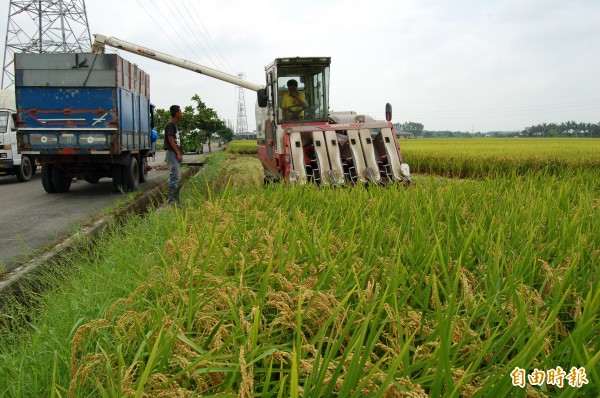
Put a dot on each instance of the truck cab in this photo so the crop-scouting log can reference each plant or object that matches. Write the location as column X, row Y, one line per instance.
column 11, row 162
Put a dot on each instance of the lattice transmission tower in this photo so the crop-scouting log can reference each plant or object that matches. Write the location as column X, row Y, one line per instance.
column 44, row 26
column 242, row 123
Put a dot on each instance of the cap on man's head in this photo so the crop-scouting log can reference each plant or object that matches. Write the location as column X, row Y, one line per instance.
column 292, row 82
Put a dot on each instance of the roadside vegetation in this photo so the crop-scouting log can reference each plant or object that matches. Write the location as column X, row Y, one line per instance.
column 440, row 289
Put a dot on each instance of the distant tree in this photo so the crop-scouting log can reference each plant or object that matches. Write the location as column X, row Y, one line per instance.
column 207, row 120
column 161, row 117
column 412, row 127
column 192, row 137
column 225, row 134
column 565, row 129
column 196, row 126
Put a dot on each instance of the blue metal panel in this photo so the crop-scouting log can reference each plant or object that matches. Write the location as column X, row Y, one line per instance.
column 58, row 116
column 50, row 107
column 125, row 110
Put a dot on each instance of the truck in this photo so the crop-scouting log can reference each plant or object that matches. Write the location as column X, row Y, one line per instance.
column 83, row 116
column 11, row 162
column 315, row 145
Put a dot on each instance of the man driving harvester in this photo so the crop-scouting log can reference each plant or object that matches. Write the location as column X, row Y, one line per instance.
column 293, row 102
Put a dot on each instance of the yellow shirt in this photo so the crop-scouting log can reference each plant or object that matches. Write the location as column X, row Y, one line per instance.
column 287, row 101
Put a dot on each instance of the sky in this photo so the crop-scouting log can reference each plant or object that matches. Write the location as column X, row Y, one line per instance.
column 460, row 65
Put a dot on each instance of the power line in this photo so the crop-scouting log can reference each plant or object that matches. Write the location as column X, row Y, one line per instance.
column 175, row 43
column 187, row 27
column 210, row 41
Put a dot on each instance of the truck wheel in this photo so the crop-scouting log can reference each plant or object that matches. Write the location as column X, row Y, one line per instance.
column 144, row 169
column 117, row 178
column 61, row 180
column 131, row 175
column 25, row 170
column 47, row 178
column 92, row 179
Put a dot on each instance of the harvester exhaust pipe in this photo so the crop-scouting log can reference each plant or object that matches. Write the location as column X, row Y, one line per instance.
column 388, row 112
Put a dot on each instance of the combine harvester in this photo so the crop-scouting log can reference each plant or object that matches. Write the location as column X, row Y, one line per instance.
column 305, row 143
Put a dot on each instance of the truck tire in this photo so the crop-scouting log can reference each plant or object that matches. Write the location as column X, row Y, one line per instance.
column 144, row 169
column 92, row 178
column 47, row 178
column 25, row 170
column 131, row 175
column 60, row 180
column 117, row 177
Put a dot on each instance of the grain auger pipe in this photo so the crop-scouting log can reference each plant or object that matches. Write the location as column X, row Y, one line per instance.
column 101, row 40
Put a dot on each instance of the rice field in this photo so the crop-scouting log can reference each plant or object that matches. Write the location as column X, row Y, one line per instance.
column 483, row 158
column 471, row 287
column 242, row 147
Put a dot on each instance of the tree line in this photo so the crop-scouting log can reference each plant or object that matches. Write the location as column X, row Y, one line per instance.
column 198, row 125
column 565, row 129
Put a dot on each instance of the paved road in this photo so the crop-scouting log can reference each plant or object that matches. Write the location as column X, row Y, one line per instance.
column 31, row 218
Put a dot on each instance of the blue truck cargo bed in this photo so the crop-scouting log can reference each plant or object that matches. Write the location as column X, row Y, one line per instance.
column 83, row 115
column 69, row 102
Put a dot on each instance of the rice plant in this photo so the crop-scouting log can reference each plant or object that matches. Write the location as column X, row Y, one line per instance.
column 242, row 147
column 439, row 290
column 485, row 157
column 442, row 289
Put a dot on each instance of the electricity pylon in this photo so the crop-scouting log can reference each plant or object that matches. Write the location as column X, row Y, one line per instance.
column 44, row 26
column 242, row 123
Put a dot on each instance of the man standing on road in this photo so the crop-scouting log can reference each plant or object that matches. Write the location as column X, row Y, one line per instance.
column 174, row 157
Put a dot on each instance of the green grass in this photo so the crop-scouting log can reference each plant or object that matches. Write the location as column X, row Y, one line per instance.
column 441, row 289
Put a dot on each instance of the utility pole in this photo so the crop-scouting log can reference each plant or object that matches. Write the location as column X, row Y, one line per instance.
column 242, row 123
column 59, row 26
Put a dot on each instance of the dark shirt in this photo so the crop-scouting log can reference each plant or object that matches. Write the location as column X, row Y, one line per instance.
column 170, row 129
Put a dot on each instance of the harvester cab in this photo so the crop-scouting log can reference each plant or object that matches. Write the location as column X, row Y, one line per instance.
column 299, row 139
